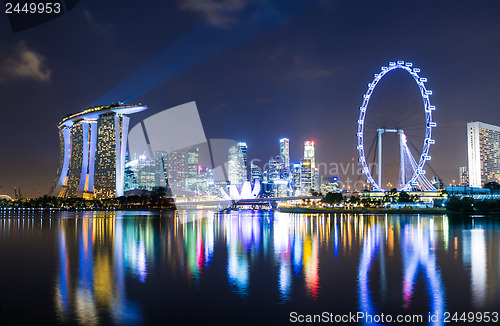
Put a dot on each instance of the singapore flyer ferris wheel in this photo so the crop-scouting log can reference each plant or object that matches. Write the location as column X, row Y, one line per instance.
column 409, row 173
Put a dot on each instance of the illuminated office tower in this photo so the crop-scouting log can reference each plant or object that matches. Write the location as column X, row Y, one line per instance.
column 306, row 176
column 275, row 167
column 296, row 182
column 309, row 152
column 192, row 168
column 256, row 173
column 161, row 168
column 93, row 144
column 463, row 176
column 483, row 142
column 285, row 155
column 237, row 164
column 176, row 169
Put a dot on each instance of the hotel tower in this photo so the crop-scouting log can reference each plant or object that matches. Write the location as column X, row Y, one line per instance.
column 483, row 142
column 93, row 144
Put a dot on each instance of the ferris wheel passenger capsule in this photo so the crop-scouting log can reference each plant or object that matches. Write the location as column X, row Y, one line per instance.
column 392, row 64
column 400, row 62
column 423, row 79
column 416, row 69
column 409, row 64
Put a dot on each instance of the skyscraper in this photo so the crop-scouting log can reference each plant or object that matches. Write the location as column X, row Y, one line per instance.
column 275, row 166
column 296, row 181
column 483, row 142
column 309, row 152
column 93, row 145
column 192, row 168
column 285, row 152
column 306, row 176
column 176, row 169
column 237, row 164
column 463, row 176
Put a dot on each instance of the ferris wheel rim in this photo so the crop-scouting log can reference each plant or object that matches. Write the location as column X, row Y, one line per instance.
column 429, row 123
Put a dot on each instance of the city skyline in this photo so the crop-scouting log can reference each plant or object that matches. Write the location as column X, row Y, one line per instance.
column 299, row 74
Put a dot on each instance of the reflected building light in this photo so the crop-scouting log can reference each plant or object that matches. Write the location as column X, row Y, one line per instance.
column 237, row 271
column 62, row 289
column 478, row 267
column 335, row 238
column 199, row 251
column 285, row 280
column 297, row 254
column 311, row 266
column 141, row 268
column 209, row 240
column 446, row 232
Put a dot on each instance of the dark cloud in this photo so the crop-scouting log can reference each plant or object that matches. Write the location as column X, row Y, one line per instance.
column 21, row 62
column 101, row 28
column 220, row 13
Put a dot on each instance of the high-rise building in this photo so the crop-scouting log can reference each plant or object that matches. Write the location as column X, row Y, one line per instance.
column 306, row 176
column 274, row 168
column 296, row 181
column 463, row 176
column 93, row 145
column 237, row 164
column 176, row 169
column 192, row 168
column 285, row 155
column 310, row 155
column 437, row 182
column 483, row 143
column 256, row 173
column 309, row 152
column 243, row 149
column 161, row 168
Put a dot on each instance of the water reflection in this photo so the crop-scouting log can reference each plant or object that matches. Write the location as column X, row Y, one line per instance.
column 110, row 263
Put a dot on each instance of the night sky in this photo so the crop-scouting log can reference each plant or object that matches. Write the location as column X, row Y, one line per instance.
column 258, row 71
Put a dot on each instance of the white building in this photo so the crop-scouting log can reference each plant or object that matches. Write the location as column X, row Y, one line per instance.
column 483, row 143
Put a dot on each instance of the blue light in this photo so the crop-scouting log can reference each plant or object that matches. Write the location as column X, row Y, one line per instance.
column 416, row 69
column 423, row 79
column 335, row 179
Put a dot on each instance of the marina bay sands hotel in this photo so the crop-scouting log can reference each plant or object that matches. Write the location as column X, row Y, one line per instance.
column 93, row 145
